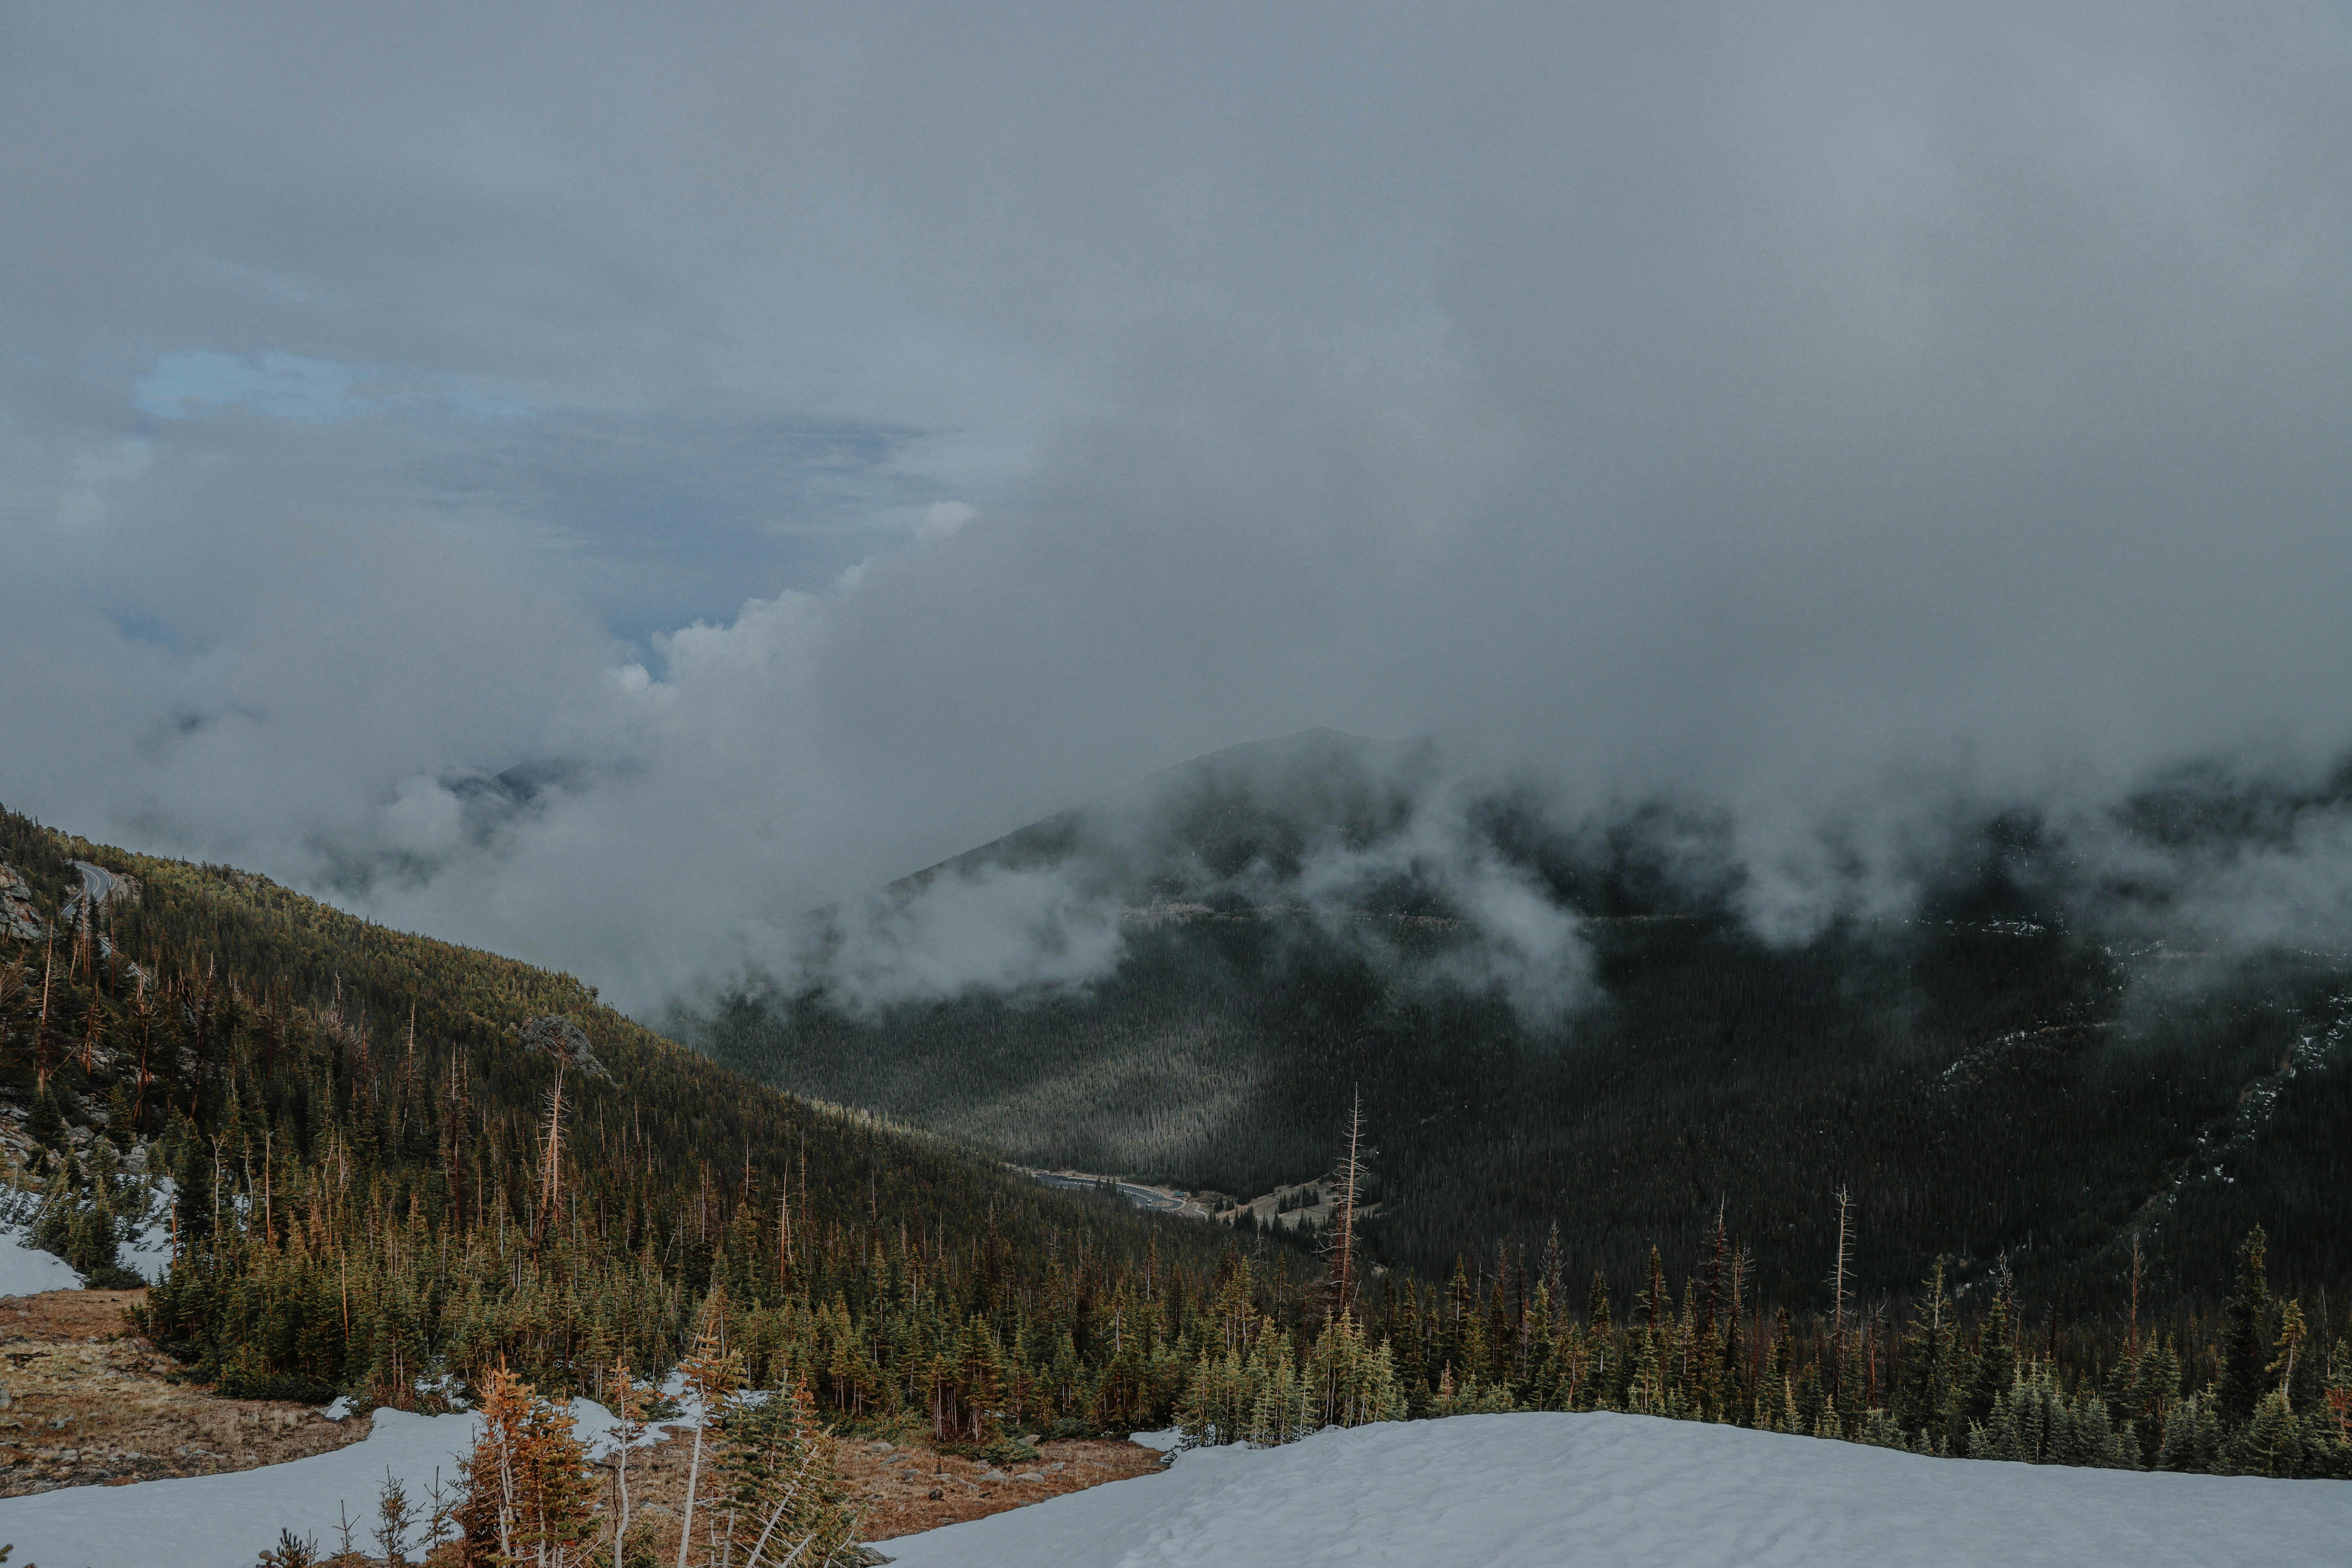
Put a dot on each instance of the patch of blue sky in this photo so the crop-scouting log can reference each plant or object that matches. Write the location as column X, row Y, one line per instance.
column 147, row 630
column 196, row 382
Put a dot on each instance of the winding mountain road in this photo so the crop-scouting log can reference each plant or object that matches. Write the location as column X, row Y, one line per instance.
column 96, row 886
column 1141, row 1197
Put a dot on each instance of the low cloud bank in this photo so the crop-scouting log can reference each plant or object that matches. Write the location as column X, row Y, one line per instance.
column 1446, row 878
column 606, row 537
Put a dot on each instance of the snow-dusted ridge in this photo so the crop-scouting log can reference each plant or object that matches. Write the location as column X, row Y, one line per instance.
column 1606, row 1490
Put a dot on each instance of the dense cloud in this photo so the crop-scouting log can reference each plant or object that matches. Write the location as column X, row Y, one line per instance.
column 599, row 486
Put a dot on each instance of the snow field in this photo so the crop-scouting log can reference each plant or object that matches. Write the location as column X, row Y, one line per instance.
column 225, row 1520
column 1606, row 1490
column 1595, row 1490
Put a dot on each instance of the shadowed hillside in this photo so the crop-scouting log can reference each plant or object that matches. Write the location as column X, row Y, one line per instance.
column 2018, row 1068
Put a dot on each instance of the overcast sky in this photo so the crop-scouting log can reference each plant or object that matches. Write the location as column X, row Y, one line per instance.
column 816, row 440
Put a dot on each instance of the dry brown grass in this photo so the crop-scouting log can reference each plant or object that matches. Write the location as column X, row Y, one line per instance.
column 88, row 1404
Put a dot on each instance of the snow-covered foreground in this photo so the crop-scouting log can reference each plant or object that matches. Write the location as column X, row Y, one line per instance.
column 1609, row 1491
column 224, row 1522
column 1599, row 1491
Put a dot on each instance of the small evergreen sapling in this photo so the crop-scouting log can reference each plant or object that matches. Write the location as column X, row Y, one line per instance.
column 293, row 1551
column 782, row 1479
column 395, row 1517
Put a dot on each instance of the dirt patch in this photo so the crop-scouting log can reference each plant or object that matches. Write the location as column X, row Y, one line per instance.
column 88, row 1404
column 891, row 1484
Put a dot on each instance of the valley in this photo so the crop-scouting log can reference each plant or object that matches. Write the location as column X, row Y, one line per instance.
column 2004, row 1075
column 1309, row 1204
column 390, row 1173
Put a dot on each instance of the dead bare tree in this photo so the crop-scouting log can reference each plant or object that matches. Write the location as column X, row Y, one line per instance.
column 2135, row 1300
column 41, row 1029
column 1837, row 1274
column 1348, row 1190
column 551, row 1164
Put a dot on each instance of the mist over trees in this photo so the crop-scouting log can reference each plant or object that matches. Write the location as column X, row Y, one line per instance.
column 2021, row 1031
column 397, row 1211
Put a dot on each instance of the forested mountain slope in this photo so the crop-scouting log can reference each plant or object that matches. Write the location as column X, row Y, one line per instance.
column 2018, row 1070
column 376, row 1185
column 394, row 1209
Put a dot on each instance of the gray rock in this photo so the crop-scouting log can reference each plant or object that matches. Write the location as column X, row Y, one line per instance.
column 17, row 916
column 565, row 1041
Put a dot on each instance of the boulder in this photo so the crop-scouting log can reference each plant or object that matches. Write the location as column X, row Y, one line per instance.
column 565, row 1041
column 17, row 916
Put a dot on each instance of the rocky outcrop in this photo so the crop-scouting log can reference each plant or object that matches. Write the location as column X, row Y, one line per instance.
column 17, row 916
column 565, row 1041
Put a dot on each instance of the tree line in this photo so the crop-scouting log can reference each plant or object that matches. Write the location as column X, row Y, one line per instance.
column 374, row 1176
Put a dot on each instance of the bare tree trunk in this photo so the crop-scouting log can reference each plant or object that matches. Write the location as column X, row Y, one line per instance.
column 2134, row 1301
column 693, row 1479
column 620, row 1530
column 1844, row 1240
column 41, row 1029
column 1351, row 1180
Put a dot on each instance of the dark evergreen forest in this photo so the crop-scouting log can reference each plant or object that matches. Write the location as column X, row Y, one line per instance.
column 2021, row 1074
column 396, row 1165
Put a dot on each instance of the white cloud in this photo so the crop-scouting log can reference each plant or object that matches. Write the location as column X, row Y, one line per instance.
column 942, row 519
column 1735, row 401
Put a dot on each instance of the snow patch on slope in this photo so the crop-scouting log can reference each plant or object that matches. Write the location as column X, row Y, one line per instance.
column 225, row 1520
column 26, row 1270
column 146, row 1250
column 1614, row 1491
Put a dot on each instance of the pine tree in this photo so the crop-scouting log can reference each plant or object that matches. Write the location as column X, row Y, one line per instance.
column 47, row 1124
column 2153, row 1397
column 2192, row 1437
column 1347, row 1184
column 1924, row 1396
column 1738, row 1394
column 395, row 1517
column 529, row 1495
column 2243, row 1343
column 2339, row 1389
column 778, row 1465
column 2271, row 1445
column 978, row 1384
column 2290, row 1340
column 1775, row 1399
column 1996, row 1366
